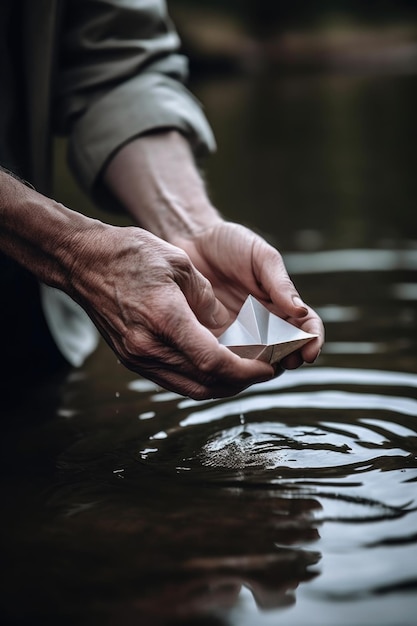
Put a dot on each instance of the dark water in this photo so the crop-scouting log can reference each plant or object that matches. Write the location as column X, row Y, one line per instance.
column 294, row 503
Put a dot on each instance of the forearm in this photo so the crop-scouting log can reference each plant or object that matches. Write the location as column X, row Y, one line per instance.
column 144, row 295
column 39, row 233
column 155, row 178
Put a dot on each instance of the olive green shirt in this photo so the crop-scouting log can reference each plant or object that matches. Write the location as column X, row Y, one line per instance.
column 103, row 72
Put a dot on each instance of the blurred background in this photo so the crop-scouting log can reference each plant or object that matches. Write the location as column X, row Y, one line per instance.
column 312, row 105
column 254, row 35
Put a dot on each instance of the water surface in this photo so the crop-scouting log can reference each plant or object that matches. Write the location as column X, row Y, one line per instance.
column 295, row 502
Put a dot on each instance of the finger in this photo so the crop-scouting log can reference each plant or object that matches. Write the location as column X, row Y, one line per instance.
column 278, row 369
column 184, row 356
column 311, row 350
column 200, row 295
column 183, row 385
column 201, row 298
column 273, row 276
column 292, row 361
column 197, row 382
column 214, row 364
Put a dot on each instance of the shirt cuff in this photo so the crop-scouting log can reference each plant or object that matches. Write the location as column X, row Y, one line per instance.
column 147, row 102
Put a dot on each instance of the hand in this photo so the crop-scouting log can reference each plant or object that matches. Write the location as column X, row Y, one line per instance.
column 237, row 262
column 154, row 309
column 154, row 177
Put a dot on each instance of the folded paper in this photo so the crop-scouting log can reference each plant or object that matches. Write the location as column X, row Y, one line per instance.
column 258, row 334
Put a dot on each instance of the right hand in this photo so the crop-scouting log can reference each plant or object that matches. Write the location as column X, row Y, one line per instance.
column 154, row 309
column 238, row 262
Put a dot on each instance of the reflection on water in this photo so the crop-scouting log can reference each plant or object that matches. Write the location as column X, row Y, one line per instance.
column 293, row 503
column 300, row 442
column 176, row 509
column 351, row 261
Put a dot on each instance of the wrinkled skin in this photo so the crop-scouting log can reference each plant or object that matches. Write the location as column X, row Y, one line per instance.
column 160, row 315
column 237, row 262
column 158, row 299
column 155, row 179
column 155, row 310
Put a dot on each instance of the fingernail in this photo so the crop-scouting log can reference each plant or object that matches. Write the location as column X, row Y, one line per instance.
column 300, row 304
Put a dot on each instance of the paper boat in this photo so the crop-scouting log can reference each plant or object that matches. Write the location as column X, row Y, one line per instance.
column 258, row 334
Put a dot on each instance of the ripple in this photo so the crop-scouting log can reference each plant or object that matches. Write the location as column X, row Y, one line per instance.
column 328, row 441
column 311, row 400
column 335, row 428
column 282, row 447
column 325, row 376
column 271, row 446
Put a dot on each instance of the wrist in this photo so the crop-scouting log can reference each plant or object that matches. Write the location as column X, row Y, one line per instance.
column 156, row 180
column 38, row 232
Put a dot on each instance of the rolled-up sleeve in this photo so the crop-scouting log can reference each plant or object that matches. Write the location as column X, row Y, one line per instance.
column 120, row 75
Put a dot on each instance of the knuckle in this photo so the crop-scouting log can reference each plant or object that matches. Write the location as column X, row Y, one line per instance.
column 207, row 363
column 180, row 260
column 136, row 346
column 205, row 293
column 286, row 283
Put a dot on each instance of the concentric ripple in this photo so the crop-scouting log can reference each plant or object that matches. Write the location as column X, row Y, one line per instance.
column 324, row 439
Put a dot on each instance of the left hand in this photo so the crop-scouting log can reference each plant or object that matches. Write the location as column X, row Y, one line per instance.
column 238, row 262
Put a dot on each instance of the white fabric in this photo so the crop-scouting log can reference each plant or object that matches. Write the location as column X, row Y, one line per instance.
column 74, row 333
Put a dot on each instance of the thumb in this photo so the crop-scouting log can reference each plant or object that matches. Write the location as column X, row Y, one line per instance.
column 202, row 300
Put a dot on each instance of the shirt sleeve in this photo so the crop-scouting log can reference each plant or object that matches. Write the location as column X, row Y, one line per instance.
column 120, row 75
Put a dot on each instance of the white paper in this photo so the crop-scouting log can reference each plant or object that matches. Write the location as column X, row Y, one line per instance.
column 258, row 334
